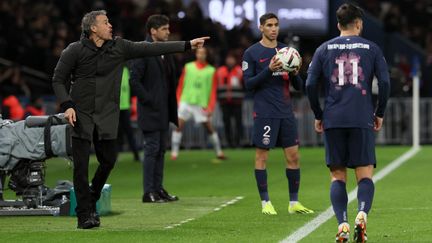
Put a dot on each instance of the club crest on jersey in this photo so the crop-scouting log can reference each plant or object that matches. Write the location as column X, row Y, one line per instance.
column 266, row 141
column 244, row 65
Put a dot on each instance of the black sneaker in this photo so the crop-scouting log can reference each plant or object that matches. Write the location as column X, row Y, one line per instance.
column 165, row 195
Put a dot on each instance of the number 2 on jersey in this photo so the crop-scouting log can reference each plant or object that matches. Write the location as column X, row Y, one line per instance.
column 267, row 130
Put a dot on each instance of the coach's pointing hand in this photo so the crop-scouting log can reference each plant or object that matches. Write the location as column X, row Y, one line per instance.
column 198, row 42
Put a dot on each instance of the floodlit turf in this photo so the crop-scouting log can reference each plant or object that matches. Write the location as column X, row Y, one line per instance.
column 400, row 212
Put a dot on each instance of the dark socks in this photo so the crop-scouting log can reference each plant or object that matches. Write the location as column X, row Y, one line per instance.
column 293, row 176
column 339, row 200
column 365, row 194
column 261, row 179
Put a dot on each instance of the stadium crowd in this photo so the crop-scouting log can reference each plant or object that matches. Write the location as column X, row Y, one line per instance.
column 408, row 18
column 405, row 17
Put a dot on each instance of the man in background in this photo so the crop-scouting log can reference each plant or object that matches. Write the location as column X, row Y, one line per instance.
column 196, row 93
column 230, row 95
column 154, row 81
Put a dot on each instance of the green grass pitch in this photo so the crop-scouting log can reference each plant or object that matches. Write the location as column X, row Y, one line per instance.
column 401, row 209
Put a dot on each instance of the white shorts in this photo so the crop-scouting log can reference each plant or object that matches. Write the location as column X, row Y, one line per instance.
column 186, row 111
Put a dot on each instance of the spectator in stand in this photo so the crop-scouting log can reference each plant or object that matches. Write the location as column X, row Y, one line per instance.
column 11, row 108
column 11, row 82
column 11, row 87
column 35, row 107
column 393, row 20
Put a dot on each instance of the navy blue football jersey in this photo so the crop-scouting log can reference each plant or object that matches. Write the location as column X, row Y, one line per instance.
column 270, row 89
column 347, row 66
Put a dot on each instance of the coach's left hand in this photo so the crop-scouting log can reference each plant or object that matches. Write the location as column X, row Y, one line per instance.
column 198, row 42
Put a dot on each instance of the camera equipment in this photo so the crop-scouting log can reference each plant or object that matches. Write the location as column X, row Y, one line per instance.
column 24, row 147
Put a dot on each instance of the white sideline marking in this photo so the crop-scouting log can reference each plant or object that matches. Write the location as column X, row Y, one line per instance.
column 231, row 202
column 312, row 225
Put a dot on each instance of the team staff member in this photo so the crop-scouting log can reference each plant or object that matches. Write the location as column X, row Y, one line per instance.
column 86, row 82
column 154, row 81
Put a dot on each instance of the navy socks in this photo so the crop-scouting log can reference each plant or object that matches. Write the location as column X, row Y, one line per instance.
column 261, row 179
column 293, row 176
column 339, row 200
column 365, row 194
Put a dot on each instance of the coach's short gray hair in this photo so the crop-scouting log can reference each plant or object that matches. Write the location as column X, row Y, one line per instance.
column 88, row 20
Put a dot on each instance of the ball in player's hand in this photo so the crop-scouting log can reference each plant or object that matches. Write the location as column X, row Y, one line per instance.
column 290, row 58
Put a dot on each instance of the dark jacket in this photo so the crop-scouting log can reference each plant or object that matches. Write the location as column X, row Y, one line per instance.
column 154, row 81
column 94, row 75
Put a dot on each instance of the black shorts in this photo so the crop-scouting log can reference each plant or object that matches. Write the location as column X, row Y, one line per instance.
column 349, row 147
column 271, row 132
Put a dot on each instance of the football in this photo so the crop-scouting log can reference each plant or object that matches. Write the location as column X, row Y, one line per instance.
column 290, row 58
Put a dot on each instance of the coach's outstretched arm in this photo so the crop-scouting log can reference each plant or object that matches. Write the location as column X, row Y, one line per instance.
column 143, row 48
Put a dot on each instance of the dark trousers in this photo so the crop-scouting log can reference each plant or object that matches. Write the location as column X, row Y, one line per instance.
column 232, row 134
column 106, row 153
column 154, row 151
column 126, row 128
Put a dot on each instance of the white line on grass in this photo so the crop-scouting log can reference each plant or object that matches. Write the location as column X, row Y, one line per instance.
column 312, row 225
column 231, row 202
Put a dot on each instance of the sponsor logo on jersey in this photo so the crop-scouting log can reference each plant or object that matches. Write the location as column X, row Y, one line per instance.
column 280, row 73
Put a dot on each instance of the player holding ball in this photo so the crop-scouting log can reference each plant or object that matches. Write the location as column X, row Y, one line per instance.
column 274, row 121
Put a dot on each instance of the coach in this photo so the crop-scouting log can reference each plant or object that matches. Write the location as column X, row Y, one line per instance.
column 87, row 83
